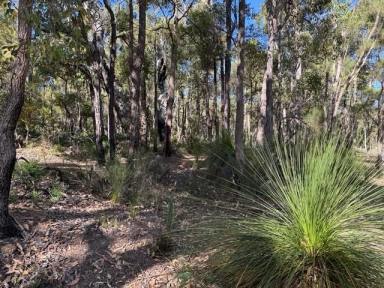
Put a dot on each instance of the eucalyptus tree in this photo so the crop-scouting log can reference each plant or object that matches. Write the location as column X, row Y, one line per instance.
column 239, row 132
column 10, row 111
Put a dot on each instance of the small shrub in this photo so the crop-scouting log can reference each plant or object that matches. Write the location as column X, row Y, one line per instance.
column 117, row 177
column 29, row 169
column 131, row 182
column 317, row 224
column 28, row 173
column 55, row 194
column 165, row 242
column 221, row 157
column 35, row 196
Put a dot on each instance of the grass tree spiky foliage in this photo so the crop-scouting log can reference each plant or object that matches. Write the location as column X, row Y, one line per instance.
column 318, row 223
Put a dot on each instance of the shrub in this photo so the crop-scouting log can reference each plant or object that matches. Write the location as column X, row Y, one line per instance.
column 131, row 181
column 28, row 173
column 318, row 223
column 29, row 169
column 117, row 177
column 56, row 193
column 221, row 156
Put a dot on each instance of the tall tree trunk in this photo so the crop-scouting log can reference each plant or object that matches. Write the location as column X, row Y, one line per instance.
column 239, row 131
column 10, row 112
column 171, row 95
column 131, row 47
column 147, row 113
column 380, row 127
column 228, row 22
column 98, row 121
column 155, row 99
column 111, row 84
column 215, row 113
column 96, row 75
column 136, row 77
column 265, row 125
column 208, row 116
column 223, row 99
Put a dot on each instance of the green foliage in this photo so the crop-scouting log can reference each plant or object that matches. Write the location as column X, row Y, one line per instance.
column 117, row 176
column 56, row 193
column 28, row 173
column 130, row 182
column 35, row 196
column 221, row 155
column 318, row 223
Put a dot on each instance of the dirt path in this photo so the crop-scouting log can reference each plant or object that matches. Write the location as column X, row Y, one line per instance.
column 86, row 241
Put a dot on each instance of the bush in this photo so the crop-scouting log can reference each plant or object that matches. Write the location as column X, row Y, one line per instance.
column 131, row 181
column 220, row 160
column 318, row 223
column 117, row 177
column 56, row 193
column 28, row 173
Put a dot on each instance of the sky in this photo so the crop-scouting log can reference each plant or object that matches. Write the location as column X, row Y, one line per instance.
column 255, row 4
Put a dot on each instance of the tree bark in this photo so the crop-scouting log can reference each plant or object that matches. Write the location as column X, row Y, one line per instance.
column 10, row 112
column 215, row 113
column 223, row 99
column 239, row 131
column 171, row 94
column 229, row 32
column 380, row 129
column 208, row 116
column 111, row 84
column 265, row 125
column 136, row 77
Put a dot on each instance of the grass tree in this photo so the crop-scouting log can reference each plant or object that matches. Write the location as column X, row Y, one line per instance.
column 316, row 221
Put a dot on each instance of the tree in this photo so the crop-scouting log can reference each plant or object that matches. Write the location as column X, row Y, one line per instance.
column 265, row 126
column 228, row 60
column 10, row 111
column 136, row 75
column 239, row 132
column 111, row 83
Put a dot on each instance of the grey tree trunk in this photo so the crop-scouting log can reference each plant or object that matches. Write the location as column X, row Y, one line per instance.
column 380, row 129
column 239, row 131
column 97, row 104
column 111, row 84
column 136, row 77
column 171, row 95
column 10, row 112
column 223, row 99
column 265, row 125
column 208, row 116
column 215, row 112
column 229, row 32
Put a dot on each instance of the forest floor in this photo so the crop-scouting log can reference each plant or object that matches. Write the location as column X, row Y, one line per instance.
column 84, row 240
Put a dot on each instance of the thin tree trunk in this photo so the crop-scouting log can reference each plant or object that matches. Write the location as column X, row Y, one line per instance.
column 111, row 84
column 239, row 131
column 10, row 112
column 147, row 114
column 223, row 99
column 215, row 116
column 227, row 105
column 381, row 126
column 171, row 95
column 155, row 109
column 136, row 78
column 208, row 115
column 98, row 122
column 265, row 126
